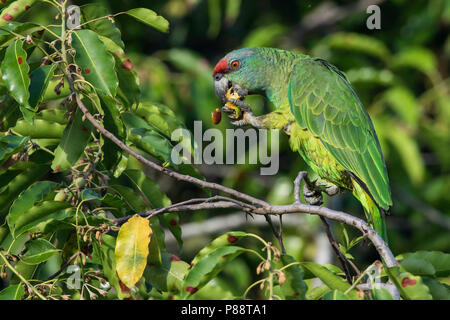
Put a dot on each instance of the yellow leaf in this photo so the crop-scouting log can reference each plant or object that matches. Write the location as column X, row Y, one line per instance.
column 132, row 250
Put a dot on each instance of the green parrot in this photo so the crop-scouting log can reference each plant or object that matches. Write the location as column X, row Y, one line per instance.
column 319, row 110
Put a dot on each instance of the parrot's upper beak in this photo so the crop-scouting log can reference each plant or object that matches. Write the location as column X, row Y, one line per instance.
column 221, row 85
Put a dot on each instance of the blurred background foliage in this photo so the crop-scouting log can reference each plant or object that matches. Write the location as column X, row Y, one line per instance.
column 400, row 72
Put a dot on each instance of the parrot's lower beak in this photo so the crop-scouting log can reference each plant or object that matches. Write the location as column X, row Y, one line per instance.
column 221, row 85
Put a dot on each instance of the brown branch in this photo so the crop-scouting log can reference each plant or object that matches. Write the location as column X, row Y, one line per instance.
column 342, row 259
column 340, row 216
column 278, row 234
column 297, row 182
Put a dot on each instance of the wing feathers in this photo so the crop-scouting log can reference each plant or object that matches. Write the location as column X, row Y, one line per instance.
column 323, row 101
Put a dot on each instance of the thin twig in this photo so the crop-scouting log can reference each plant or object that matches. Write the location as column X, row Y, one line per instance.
column 337, row 250
column 278, row 234
column 76, row 254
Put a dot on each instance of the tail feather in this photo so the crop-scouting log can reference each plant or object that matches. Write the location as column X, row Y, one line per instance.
column 374, row 214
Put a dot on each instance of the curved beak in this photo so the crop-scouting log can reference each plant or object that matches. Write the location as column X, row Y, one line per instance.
column 221, row 85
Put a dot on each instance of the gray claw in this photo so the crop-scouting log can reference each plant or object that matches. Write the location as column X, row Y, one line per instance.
column 332, row 191
column 239, row 123
column 312, row 196
column 227, row 110
column 241, row 104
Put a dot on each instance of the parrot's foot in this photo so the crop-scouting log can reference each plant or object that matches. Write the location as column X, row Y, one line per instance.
column 332, row 190
column 312, row 190
column 328, row 188
column 246, row 116
column 312, row 195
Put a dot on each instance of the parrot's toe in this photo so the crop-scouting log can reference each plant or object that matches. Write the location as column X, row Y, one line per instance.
column 239, row 123
column 332, row 191
column 312, row 196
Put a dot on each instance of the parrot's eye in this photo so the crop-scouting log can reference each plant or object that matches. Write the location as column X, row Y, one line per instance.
column 235, row 64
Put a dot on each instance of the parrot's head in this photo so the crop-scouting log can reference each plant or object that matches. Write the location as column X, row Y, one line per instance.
column 240, row 69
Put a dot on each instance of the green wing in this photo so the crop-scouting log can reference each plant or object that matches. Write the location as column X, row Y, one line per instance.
column 322, row 101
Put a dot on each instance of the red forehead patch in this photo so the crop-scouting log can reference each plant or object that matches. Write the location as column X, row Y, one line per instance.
column 221, row 66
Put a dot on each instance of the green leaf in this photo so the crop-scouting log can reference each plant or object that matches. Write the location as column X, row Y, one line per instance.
column 129, row 90
column 103, row 27
column 112, row 123
column 335, row 295
column 294, row 287
column 28, row 114
column 172, row 221
column 359, row 43
column 208, row 268
column 10, row 145
column 409, row 151
column 265, row 36
column 403, row 101
column 411, row 287
column 439, row 291
column 159, row 118
column 133, row 199
column 330, row 267
column 218, row 289
column 26, row 28
column 381, row 294
column 317, row 292
column 38, row 251
column 150, row 18
column 439, row 260
column 169, row 276
column 96, row 63
column 418, row 58
column 54, row 90
column 148, row 187
column 121, row 165
column 40, row 78
column 146, row 139
column 39, row 129
column 132, row 250
column 158, row 232
column 330, row 279
column 12, row 292
column 9, row 112
column 53, row 115
column 154, row 251
column 414, row 287
column 153, row 195
column 15, row 10
column 418, row 267
column 370, row 76
column 27, row 200
column 15, row 70
column 73, row 143
column 105, row 254
column 227, row 239
column 40, row 212
column 19, row 183
column 151, row 142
